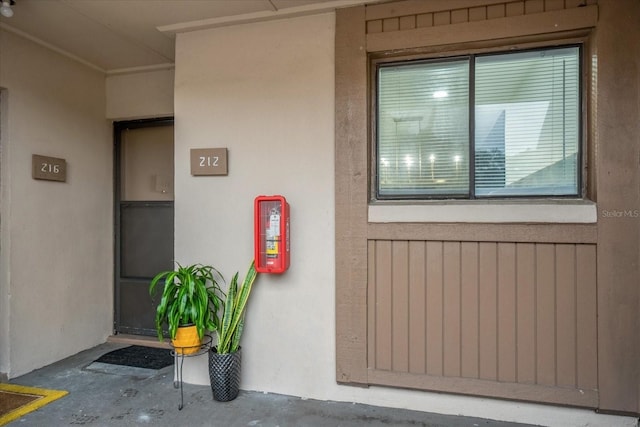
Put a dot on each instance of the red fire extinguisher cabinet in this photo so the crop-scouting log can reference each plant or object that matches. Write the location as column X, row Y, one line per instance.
column 271, row 234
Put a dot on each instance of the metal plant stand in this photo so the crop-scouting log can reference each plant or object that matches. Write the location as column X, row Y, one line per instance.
column 177, row 367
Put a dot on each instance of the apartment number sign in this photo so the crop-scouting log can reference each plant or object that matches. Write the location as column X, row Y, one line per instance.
column 208, row 161
column 48, row 168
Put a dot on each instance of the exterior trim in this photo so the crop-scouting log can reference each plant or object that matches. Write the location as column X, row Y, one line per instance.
column 499, row 28
column 485, row 212
column 511, row 391
column 351, row 196
column 518, row 233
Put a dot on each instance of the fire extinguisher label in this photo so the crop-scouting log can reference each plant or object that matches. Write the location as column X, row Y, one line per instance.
column 273, row 236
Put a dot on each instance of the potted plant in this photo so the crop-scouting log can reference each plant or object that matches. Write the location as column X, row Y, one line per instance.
column 189, row 305
column 225, row 358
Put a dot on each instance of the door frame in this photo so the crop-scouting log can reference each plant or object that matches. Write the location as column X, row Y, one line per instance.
column 118, row 128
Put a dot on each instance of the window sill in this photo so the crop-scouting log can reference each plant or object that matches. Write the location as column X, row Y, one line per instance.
column 493, row 211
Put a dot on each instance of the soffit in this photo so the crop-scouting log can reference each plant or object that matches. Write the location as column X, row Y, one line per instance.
column 120, row 35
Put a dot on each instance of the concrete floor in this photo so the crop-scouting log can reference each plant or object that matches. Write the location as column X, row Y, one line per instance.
column 121, row 396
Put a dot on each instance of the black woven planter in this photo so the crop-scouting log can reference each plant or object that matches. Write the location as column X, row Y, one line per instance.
column 224, row 373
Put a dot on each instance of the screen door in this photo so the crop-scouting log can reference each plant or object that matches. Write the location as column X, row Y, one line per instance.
column 143, row 219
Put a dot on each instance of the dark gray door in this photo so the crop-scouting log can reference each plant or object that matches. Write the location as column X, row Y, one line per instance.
column 143, row 219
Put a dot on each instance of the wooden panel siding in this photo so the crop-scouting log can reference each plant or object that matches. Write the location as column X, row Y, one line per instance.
column 449, row 22
column 550, row 279
column 502, row 312
column 471, row 8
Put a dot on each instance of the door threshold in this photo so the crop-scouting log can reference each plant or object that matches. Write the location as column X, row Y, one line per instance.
column 141, row 340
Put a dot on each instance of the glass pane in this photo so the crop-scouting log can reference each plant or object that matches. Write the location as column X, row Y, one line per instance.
column 527, row 123
column 423, row 129
column 147, row 164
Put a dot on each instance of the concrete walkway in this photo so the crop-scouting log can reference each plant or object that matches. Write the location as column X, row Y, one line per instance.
column 131, row 396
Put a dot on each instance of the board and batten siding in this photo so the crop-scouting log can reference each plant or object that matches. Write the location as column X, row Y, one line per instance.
column 516, row 313
column 501, row 310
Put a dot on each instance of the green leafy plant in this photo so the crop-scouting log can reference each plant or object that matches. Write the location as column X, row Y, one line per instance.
column 233, row 310
column 191, row 295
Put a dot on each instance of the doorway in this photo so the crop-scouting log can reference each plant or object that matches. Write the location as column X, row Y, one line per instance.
column 144, row 169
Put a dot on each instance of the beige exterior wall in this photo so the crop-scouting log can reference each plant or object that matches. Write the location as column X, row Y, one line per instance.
column 56, row 251
column 4, row 260
column 265, row 92
column 139, row 95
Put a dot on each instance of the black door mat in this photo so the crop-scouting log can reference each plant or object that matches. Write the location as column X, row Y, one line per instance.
column 139, row 357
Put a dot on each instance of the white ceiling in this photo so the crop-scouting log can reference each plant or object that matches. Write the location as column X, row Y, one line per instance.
column 124, row 35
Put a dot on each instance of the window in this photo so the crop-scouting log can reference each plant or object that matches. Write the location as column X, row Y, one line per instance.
column 480, row 126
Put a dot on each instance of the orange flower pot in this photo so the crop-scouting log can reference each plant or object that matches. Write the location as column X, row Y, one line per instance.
column 187, row 340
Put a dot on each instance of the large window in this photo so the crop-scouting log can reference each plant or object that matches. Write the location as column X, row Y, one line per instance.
column 480, row 126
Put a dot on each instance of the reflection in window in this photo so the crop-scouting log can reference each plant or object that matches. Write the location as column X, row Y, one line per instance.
column 423, row 128
column 524, row 138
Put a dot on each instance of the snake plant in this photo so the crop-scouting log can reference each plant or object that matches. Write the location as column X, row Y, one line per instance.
column 232, row 320
column 191, row 295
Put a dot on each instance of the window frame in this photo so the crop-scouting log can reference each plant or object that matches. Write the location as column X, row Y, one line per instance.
column 381, row 60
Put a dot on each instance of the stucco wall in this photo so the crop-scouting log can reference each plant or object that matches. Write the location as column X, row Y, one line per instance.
column 267, row 96
column 140, row 95
column 57, row 238
column 4, row 276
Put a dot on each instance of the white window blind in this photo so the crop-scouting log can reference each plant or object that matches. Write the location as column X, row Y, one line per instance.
column 525, row 136
column 526, row 123
column 423, row 129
